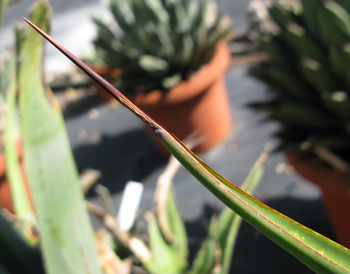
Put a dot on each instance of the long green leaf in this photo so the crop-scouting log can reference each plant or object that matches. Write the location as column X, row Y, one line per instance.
column 21, row 202
column 166, row 258
column 176, row 226
column 317, row 252
column 66, row 232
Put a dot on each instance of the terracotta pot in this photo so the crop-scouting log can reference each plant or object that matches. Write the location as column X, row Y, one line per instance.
column 5, row 192
column 335, row 188
column 198, row 105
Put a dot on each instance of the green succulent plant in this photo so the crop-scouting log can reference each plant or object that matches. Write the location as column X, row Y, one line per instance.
column 162, row 42
column 308, row 43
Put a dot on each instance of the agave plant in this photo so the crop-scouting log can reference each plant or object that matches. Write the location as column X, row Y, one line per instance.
column 162, row 42
column 308, row 44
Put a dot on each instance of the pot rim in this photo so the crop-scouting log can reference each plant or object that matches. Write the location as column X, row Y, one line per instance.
column 186, row 90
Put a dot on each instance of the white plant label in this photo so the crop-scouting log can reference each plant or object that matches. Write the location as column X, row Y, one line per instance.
column 129, row 205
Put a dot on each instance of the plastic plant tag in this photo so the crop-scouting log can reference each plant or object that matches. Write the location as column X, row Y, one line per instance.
column 129, row 205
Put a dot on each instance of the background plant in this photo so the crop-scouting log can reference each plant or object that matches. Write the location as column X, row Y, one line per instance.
column 308, row 45
column 162, row 42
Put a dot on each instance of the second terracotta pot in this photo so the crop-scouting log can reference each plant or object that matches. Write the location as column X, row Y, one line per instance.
column 199, row 105
column 335, row 188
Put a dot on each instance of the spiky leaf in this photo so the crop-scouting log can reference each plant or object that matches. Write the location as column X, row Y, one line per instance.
column 66, row 232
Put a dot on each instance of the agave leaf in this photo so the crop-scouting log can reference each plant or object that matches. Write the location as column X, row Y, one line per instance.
column 122, row 11
column 302, row 44
column 269, row 44
column 288, row 82
column 21, row 201
column 295, row 114
column 152, row 63
column 314, row 73
column 221, row 28
column 345, row 4
column 176, row 226
column 334, row 23
column 164, row 40
column 173, row 234
column 185, row 50
column 166, row 258
column 279, row 14
column 159, row 12
column 105, row 35
column 199, row 26
column 66, row 232
column 340, row 61
column 309, row 15
column 191, row 8
column 171, row 81
column 341, row 108
column 144, row 27
column 317, row 252
column 183, row 23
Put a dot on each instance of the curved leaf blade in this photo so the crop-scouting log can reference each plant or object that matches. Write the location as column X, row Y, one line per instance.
column 21, row 201
column 66, row 233
column 314, row 250
column 166, row 258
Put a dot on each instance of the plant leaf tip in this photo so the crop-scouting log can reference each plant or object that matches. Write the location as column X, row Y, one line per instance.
column 25, row 19
column 93, row 75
